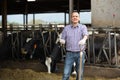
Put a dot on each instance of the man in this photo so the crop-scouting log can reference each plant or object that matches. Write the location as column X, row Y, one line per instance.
column 74, row 36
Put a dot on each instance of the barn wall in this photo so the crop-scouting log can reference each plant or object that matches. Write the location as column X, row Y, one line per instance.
column 105, row 13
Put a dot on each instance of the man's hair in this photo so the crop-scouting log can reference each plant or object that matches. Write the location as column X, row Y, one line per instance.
column 75, row 11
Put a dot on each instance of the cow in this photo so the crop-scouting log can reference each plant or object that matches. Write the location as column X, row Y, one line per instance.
column 100, row 45
column 46, row 47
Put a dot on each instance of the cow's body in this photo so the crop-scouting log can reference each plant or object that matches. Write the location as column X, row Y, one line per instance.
column 98, row 46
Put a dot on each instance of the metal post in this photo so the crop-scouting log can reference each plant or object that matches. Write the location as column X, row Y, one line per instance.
column 26, row 13
column 24, row 21
column 33, row 18
column 50, row 34
column 93, row 50
column 109, row 38
column 115, row 47
column 12, row 41
column 71, row 6
column 65, row 19
column 4, row 18
column 88, row 45
column 78, row 5
column 80, row 66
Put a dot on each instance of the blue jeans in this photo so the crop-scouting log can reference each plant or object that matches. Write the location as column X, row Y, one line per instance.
column 72, row 57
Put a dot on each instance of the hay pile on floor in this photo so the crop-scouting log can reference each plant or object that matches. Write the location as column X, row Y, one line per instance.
column 28, row 74
column 34, row 70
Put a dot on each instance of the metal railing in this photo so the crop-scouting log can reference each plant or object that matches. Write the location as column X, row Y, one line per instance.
column 108, row 48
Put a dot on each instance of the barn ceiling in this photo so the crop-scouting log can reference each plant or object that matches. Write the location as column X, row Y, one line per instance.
column 43, row 6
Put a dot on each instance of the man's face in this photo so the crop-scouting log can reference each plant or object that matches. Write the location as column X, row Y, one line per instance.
column 75, row 17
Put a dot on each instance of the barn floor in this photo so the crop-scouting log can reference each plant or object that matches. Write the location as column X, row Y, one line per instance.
column 34, row 70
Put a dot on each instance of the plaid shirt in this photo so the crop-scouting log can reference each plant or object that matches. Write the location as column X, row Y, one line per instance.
column 72, row 35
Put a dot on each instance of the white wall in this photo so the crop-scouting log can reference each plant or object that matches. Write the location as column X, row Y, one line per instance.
column 105, row 13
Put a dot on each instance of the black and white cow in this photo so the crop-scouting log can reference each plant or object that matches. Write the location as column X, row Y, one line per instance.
column 46, row 47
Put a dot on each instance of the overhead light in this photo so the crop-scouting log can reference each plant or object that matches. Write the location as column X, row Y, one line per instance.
column 30, row 0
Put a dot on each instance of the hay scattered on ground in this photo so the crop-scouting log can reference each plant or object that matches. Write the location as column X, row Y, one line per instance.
column 28, row 74
column 34, row 70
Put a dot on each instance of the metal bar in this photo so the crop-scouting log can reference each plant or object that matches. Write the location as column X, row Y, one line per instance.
column 88, row 46
column 71, row 6
column 4, row 18
column 115, row 48
column 109, row 40
column 80, row 66
column 93, row 46
column 106, row 57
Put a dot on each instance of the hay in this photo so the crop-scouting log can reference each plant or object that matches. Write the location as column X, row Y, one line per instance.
column 33, row 70
column 28, row 74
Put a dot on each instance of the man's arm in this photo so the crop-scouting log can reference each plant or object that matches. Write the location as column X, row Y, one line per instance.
column 83, row 41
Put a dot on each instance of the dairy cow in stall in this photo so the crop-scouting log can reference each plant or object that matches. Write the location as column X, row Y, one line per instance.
column 99, row 48
column 45, row 47
column 32, row 45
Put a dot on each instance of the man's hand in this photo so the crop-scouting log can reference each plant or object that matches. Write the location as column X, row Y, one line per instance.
column 62, row 41
column 83, row 41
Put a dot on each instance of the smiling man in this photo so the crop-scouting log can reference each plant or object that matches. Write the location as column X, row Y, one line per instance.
column 74, row 36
